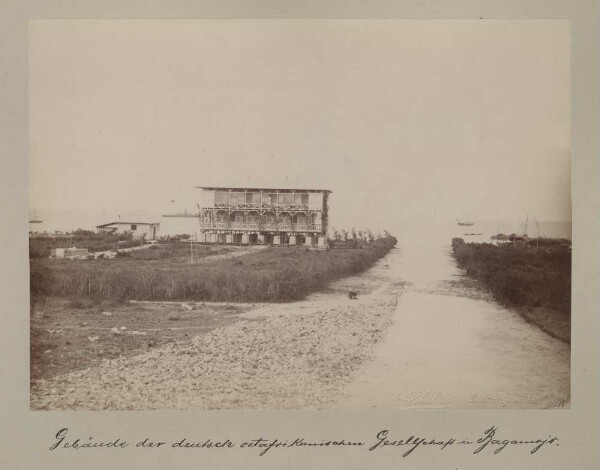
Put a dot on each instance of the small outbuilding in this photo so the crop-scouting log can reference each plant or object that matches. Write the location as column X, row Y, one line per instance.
column 147, row 230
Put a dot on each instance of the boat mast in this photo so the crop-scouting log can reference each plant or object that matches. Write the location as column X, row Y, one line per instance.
column 525, row 226
column 539, row 233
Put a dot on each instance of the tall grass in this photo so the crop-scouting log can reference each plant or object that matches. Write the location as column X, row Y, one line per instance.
column 520, row 276
column 272, row 275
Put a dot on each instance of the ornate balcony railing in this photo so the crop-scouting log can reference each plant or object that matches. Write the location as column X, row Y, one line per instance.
column 255, row 226
column 244, row 225
column 258, row 206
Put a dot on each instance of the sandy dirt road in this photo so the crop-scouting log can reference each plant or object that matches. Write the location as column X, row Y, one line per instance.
column 449, row 348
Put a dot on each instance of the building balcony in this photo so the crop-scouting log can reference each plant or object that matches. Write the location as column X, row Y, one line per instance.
column 261, row 227
column 258, row 206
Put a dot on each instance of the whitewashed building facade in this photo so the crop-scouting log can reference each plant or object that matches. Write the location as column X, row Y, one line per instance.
column 147, row 230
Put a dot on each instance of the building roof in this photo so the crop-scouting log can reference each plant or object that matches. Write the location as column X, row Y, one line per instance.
column 239, row 188
column 128, row 223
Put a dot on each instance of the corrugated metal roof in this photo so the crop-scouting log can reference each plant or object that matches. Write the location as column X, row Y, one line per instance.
column 248, row 188
column 128, row 223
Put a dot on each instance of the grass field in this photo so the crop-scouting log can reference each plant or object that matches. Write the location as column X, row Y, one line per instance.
column 271, row 275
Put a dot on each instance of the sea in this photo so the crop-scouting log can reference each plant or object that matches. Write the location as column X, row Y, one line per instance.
column 421, row 230
column 441, row 232
column 53, row 221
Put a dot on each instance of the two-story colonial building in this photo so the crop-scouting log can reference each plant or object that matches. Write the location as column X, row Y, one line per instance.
column 264, row 216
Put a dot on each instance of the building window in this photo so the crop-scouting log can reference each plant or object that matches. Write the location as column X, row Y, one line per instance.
column 237, row 198
column 133, row 227
column 221, row 197
column 285, row 198
column 253, row 198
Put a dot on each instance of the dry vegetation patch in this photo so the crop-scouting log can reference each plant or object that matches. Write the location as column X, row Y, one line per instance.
column 67, row 335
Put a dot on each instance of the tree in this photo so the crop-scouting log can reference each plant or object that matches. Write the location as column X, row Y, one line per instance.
column 344, row 235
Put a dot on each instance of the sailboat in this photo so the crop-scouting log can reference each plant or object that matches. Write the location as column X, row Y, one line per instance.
column 522, row 237
column 464, row 223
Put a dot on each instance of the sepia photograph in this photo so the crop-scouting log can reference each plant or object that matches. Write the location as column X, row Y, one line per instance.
column 299, row 214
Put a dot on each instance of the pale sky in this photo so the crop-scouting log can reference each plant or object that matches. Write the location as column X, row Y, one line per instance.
column 400, row 118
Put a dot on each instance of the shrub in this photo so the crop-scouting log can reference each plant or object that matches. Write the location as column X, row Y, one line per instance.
column 521, row 275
